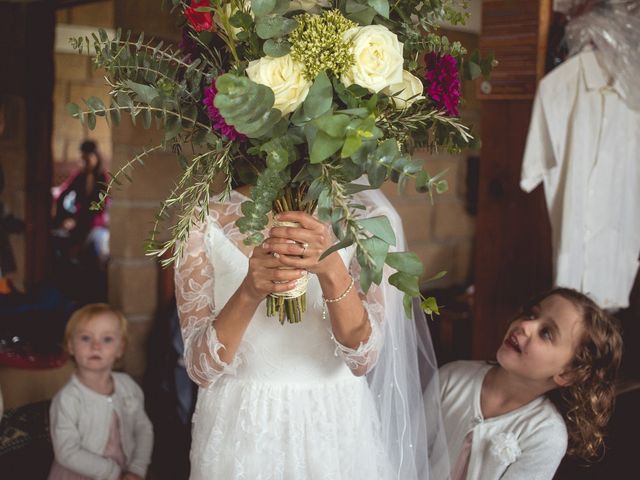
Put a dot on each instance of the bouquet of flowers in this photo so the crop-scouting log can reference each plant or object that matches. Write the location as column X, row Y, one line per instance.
column 298, row 98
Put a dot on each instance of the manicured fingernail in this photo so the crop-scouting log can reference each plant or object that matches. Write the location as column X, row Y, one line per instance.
column 276, row 254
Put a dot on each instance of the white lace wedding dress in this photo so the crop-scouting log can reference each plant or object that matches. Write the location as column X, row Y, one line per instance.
column 288, row 407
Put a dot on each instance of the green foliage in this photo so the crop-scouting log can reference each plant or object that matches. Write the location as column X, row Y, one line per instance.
column 246, row 105
column 311, row 157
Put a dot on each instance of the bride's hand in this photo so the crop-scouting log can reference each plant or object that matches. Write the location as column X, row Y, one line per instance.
column 301, row 247
column 266, row 274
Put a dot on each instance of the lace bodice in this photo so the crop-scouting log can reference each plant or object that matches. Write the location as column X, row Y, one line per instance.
column 213, row 266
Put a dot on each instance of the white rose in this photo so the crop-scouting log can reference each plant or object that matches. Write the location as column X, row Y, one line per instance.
column 378, row 58
column 284, row 76
column 310, row 6
column 411, row 86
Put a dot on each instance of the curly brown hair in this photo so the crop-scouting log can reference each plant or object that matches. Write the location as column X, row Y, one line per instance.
column 587, row 403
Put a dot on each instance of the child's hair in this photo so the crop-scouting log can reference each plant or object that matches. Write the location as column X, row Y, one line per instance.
column 86, row 313
column 587, row 403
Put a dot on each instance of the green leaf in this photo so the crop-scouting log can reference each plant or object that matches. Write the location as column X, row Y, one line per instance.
column 334, row 125
column 423, row 182
column 430, row 306
column 351, row 145
column 172, row 128
column 91, row 120
column 347, row 242
column 262, row 7
column 276, row 48
column 146, row 118
column 442, row 186
column 474, row 70
column 407, row 303
column 274, row 26
column 115, row 114
column 320, row 96
column 405, row 282
column 407, row 262
column 380, row 6
column 437, row 276
column 324, row 146
column 73, row 110
column 359, row 13
column 379, row 227
column 95, row 103
column 352, row 188
column 144, row 93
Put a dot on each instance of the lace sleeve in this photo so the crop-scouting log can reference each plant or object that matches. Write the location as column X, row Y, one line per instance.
column 194, row 296
column 365, row 356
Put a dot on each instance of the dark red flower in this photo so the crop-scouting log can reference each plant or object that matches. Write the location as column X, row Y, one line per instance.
column 443, row 82
column 217, row 120
column 200, row 21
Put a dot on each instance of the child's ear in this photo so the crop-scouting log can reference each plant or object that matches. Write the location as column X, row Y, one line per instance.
column 564, row 379
column 70, row 347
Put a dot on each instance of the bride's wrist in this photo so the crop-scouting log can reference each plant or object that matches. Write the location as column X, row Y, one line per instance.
column 249, row 295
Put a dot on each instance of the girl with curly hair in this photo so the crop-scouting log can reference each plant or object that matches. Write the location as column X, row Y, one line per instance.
column 550, row 392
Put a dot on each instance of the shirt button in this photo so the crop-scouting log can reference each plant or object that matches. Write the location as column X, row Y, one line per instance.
column 477, row 420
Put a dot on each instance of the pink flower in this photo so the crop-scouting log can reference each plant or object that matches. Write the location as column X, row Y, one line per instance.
column 217, row 120
column 443, row 82
column 200, row 21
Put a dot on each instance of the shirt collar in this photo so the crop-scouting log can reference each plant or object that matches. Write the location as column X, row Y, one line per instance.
column 595, row 77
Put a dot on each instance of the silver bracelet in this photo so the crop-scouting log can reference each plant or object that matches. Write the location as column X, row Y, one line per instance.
column 337, row 299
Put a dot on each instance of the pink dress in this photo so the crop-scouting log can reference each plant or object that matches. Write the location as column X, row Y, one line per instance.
column 113, row 451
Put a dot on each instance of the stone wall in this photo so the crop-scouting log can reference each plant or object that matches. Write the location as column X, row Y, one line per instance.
column 76, row 79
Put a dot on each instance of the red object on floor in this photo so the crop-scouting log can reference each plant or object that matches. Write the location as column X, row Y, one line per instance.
column 29, row 360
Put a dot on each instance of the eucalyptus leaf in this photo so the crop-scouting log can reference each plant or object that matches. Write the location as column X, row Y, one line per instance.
column 407, row 262
column 95, row 104
column 380, row 6
column 262, row 7
column 274, row 26
column 405, row 282
column 73, row 110
column 324, row 146
column 320, row 96
column 91, row 120
column 172, row 127
column 276, row 48
column 379, row 227
column 333, row 125
column 347, row 242
column 144, row 93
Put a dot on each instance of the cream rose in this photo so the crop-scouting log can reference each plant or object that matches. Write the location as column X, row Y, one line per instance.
column 310, row 6
column 377, row 58
column 283, row 75
column 411, row 86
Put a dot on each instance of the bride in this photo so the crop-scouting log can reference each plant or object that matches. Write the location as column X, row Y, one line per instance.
column 336, row 396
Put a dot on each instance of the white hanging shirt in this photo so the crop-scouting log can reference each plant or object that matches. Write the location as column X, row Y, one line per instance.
column 584, row 144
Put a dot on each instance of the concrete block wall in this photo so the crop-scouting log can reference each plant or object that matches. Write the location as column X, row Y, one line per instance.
column 76, row 79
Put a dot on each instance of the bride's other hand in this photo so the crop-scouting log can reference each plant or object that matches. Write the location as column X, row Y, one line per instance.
column 266, row 275
column 310, row 240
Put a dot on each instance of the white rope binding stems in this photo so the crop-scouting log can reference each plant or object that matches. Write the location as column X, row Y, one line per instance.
column 301, row 284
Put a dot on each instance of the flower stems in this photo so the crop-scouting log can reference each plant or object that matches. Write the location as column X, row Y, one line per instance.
column 290, row 309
